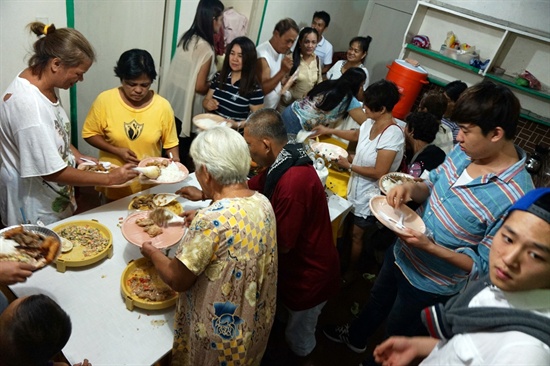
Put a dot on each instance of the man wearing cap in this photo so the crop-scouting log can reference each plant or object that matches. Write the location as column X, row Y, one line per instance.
column 463, row 203
column 502, row 318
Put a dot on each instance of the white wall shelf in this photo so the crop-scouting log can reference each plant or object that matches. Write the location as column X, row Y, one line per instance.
column 512, row 49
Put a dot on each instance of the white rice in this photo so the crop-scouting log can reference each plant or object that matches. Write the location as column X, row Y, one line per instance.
column 171, row 173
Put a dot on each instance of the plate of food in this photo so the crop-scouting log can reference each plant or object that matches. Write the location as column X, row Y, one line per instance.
column 84, row 242
column 103, row 167
column 148, row 202
column 396, row 219
column 137, row 228
column 33, row 244
column 168, row 171
column 205, row 121
column 390, row 180
column 142, row 287
column 328, row 151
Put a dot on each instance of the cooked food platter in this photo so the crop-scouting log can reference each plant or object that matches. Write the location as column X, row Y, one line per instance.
column 168, row 171
column 142, row 287
column 137, row 230
column 148, row 202
column 91, row 242
column 33, row 244
column 390, row 180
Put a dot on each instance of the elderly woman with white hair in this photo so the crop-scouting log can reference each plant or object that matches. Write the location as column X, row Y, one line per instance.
column 226, row 267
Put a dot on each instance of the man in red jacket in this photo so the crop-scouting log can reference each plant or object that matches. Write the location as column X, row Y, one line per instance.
column 309, row 269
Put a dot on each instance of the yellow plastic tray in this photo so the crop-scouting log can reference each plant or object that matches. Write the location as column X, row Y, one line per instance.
column 131, row 300
column 75, row 257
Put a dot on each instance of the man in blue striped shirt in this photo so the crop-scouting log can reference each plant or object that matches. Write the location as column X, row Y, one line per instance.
column 463, row 204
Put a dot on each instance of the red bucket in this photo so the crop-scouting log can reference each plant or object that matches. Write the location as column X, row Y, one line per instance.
column 409, row 80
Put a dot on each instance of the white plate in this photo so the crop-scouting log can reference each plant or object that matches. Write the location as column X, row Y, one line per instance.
column 389, row 216
column 328, row 151
column 146, row 180
column 206, row 121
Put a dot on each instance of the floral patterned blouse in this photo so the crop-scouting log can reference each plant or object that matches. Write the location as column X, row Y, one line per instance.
column 226, row 316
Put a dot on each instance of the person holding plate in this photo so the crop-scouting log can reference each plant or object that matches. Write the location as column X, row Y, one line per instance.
column 225, row 269
column 500, row 319
column 38, row 162
column 463, row 203
column 131, row 122
column 380, row 148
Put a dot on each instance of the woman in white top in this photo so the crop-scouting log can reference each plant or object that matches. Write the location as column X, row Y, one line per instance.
column 355, row 57
column 191, row 69
column 38, row 169
column 380, row 147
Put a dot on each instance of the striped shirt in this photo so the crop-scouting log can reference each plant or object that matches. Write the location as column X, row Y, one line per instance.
column 231, row 104
column 464, row 219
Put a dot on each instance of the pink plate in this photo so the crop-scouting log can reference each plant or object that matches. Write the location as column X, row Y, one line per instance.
column 389, row 216
column 145, row 180
column 134, row 234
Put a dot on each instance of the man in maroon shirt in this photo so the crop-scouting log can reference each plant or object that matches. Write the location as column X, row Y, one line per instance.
column 309, row 269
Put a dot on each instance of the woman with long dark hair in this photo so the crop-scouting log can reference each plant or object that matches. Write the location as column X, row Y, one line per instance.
column 235, row 91
column 306, row 71
column 192, row 67
column 326, row 103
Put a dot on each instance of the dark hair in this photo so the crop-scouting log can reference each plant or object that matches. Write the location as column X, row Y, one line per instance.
column 364, row 43
column 207, row 11
column 333, row 92
column 284, row 25
column 380, row 94
column 298, row 49
column 38, row 330
column 267, row 122
column 323, row 15
column 435, row 103
column 249, row 81
column 67, row 44
column 423, row 125
column 454, row 89
column 133, row 63
column 488, row 105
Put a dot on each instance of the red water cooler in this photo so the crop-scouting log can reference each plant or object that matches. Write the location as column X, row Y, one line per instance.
column 409, row 80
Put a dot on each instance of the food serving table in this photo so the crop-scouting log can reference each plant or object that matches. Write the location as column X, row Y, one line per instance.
column 104, row 330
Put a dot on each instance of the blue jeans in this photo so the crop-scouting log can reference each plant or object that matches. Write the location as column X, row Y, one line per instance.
column 291, row 121
column 394, row 298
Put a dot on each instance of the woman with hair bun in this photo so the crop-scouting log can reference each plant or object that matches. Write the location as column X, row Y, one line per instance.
column 38, row 169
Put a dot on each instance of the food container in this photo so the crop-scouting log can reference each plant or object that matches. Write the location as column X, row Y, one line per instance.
column 132, row 300
column 459, row 55
column 75, row 257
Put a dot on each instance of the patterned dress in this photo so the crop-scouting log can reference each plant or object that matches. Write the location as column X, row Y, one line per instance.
column 226, row 316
